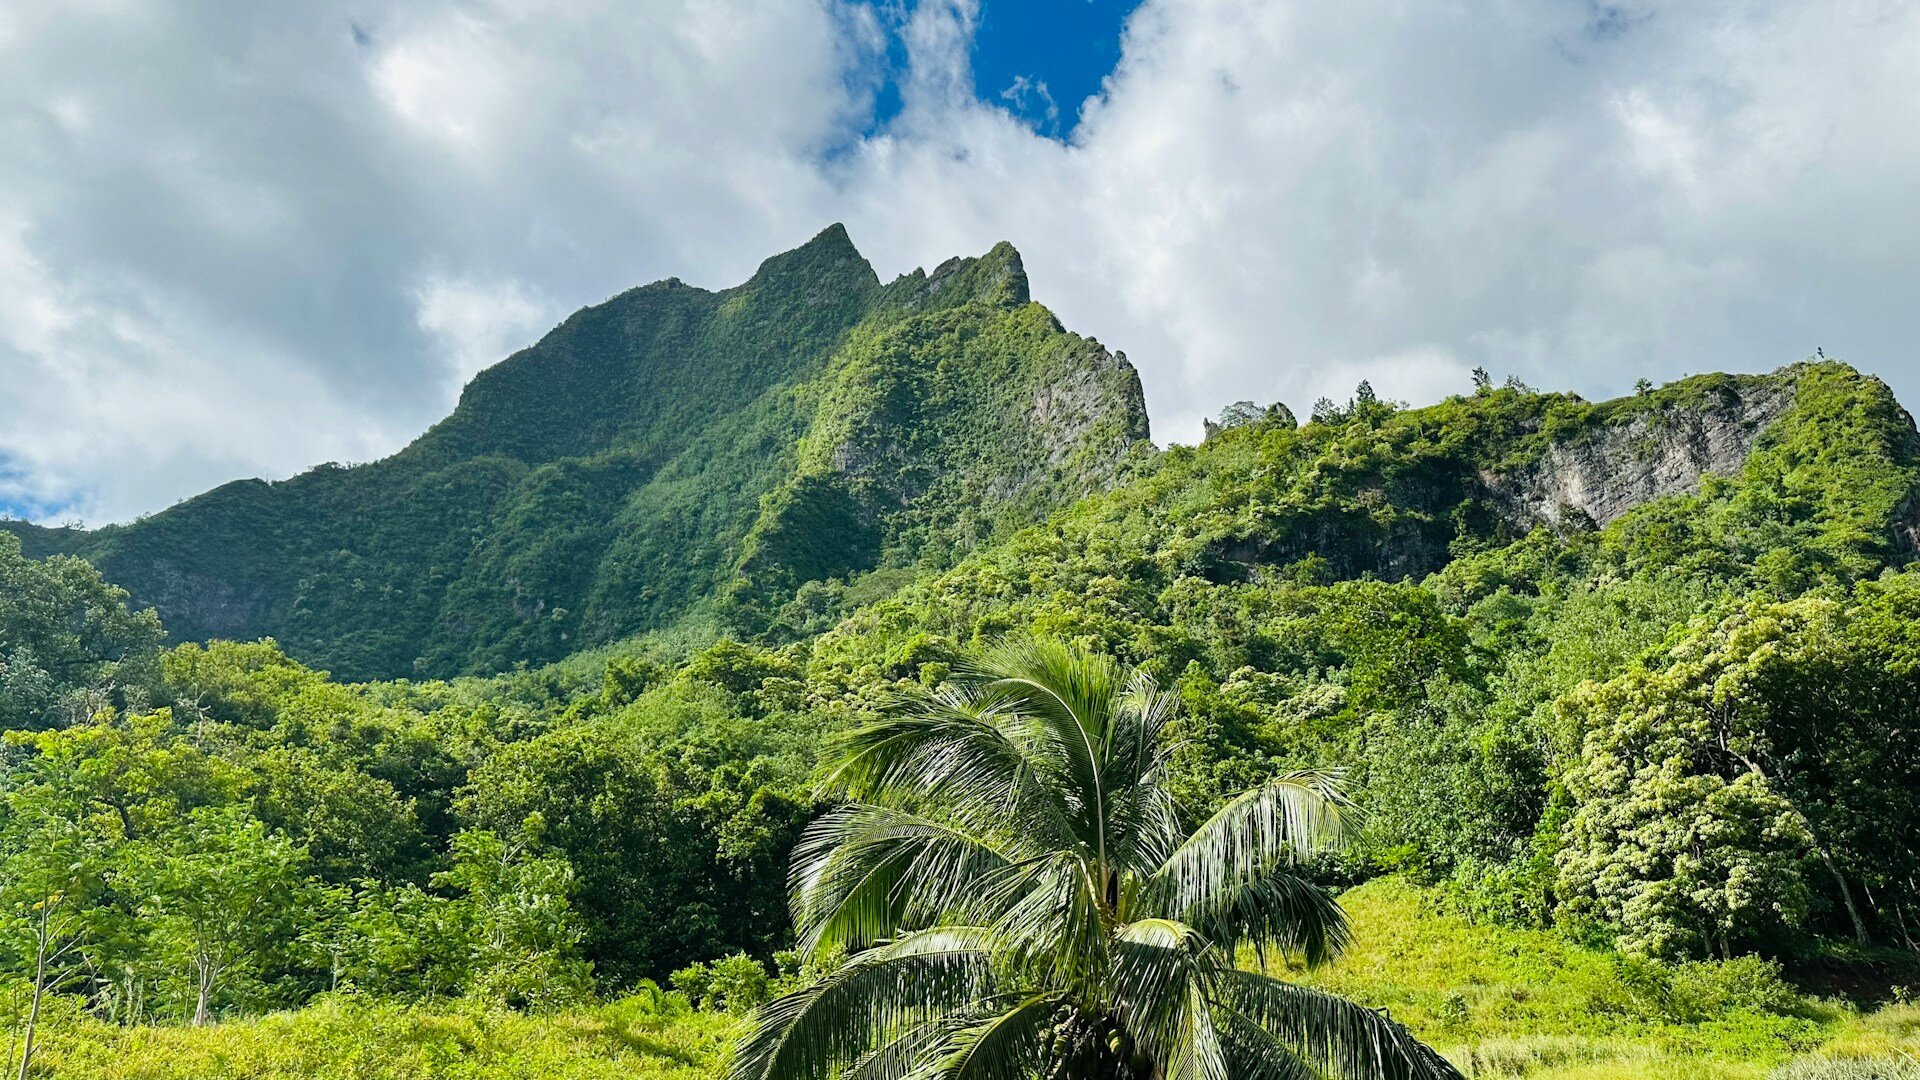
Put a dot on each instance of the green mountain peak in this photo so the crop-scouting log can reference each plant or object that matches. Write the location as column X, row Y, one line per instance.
column 998, row 277
column 672, row 453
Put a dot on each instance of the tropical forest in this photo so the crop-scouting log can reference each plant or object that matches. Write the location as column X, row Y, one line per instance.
column 831, row 679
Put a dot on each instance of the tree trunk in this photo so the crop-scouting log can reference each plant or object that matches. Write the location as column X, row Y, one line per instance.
column 1846, row 893
column 202, row 1014
column 1813, row 840
column 39, row 988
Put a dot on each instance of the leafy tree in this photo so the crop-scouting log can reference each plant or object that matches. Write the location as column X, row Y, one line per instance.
column 68, row 644
column 1018, row 896
column 221, row 891
column 137, row 767
column 525, row 936
column 1761, row 772
column 673, row 812
column 404, row 942
column 354, row 826
column 645, row 865
column 54, row 855
column 1680, row 858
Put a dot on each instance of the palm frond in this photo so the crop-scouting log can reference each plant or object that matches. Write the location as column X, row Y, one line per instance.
column 1143, row 825
column 1071, row 695
column 1051, row 923
column 1252, row 1053
column 959, row 750
column 1337, row 1036
column 1025, row 821
column 1197, row 1054
column 861, row 873
column 1281, row 910
column 1234, row 866
column 905, row 1055
column 1162, row 970
column 876, row 998
column 1006, row 1046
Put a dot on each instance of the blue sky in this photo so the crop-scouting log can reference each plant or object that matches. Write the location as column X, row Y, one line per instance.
column 1038, row 59
column 240, row 239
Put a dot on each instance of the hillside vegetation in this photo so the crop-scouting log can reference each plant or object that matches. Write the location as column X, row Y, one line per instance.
column 1622, row 691
column 670, row 453
column 1503, row 1002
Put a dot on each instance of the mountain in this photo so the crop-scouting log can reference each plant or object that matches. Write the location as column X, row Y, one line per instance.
column 670, row 453
column 1803, row 479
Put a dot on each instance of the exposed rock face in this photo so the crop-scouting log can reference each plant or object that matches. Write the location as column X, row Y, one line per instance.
column 1605, row 472
column 224, row 608
column 1102, row 389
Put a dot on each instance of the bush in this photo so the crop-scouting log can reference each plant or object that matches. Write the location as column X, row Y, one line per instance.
column 695, row 981
column 1709, row 989
column 735, row 984
column 739, row 984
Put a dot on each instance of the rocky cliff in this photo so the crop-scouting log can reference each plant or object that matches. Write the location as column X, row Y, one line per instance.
column 1608, row 468
column 1379, row 491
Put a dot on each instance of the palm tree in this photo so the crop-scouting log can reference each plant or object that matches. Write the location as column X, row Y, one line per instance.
column 1017, row 898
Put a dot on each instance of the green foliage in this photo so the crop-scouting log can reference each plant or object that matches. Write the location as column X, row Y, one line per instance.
column 218, row 894
column 678, row 842
column 68, row 644
column 1682, row 730
column 1538, row 1005
column 1767, row 763
column 349, row 1037
column 1018, row 896
column 736, row 984
column 1844, row 1069
column 524, row 936
column 1231, row 569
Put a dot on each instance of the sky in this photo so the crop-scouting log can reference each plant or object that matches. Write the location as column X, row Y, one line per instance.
column 241, row 239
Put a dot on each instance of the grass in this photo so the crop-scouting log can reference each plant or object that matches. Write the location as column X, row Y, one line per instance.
column 347, row 1040
column 1501, row 1002
column 1504, row 1002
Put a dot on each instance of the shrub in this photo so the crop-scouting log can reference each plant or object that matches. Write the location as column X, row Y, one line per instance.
column 735, row 984
column 739, row 984
column 1705, row 990
column 695, row 981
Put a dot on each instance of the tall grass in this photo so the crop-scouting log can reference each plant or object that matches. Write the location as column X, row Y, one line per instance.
column 1508, row 1003
column 1503, row 1003
column 344, row 1039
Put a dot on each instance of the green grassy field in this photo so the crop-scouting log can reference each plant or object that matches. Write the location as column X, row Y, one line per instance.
column 363, row 1041
column 1515, row 1003
column 1501, row 1003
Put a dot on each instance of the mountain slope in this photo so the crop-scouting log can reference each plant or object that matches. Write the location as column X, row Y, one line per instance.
column 669, row 451
column 1805, row 476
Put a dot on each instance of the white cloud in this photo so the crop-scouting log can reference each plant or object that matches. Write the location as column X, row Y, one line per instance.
column 242, row 240
column 476, row 323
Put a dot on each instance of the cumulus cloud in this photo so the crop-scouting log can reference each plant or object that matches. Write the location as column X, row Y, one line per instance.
column 236, row 241
column 478, row 322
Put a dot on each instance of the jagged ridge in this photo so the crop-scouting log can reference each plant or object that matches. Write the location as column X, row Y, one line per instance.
column 649, row 455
